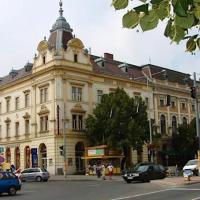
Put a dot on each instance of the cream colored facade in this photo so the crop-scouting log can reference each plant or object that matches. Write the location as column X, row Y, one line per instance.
column 31, row 129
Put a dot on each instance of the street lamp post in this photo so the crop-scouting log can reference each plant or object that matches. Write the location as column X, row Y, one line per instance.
column 149, row 115
column 197, row 118
column 65, row 142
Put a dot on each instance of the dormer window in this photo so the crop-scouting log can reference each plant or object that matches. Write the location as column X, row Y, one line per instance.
column 44, row 59
column 100, row 62
column 124, row 67
column 75, row 58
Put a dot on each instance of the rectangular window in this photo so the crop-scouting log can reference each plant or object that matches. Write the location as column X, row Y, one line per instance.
column 16, row 103
column 99, row 95
column 8, row 105
column 173, row 104
column 44, row 124
column 76, row 93
column 161, row 102
column 77, row 122
column 8, row 130
column 43, row 95
column 193, row 108
column 183, row 106
column 147, row 102
column 75, row 58
column 27, row 100
column 17, row 129
column 27, row 127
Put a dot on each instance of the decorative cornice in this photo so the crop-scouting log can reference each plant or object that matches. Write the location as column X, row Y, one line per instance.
column 26, row 91
column 7, row 120
column 44, row 110
column 26, row 116
column 78, row 109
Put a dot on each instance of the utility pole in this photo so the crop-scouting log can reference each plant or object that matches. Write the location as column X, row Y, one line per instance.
column 65, row 142
column 150, row 126
column 197, row 119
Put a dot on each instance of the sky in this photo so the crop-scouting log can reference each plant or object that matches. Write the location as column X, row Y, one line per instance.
column 23, row 24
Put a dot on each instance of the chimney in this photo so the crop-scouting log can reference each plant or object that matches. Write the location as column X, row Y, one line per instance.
column 108, row 56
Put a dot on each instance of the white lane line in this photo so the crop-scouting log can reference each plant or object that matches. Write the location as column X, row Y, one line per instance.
column 187, row 189
column 138, row 195
column 197, row 198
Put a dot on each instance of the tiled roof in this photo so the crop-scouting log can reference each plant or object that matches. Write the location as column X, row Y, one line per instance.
column 18, row 74
column 172, row 75
column 111, row 68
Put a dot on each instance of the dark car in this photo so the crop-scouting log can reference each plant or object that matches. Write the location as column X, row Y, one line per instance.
column 9, row 183
column 144, row 172
column 34, row 174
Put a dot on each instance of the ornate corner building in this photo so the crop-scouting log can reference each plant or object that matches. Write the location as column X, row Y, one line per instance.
column 51, row 97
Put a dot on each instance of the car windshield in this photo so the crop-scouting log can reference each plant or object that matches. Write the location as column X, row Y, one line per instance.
column 191, row 162
column 141, row 168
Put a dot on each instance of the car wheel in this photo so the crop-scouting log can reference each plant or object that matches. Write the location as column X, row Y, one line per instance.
column 12, row 190
column 145, row 180
column 128, row 181
column 38, row 179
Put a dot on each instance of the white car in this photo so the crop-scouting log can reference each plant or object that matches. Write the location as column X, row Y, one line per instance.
column 193, row 166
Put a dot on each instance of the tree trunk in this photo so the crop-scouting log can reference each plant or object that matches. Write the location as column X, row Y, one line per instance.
column 126, row 154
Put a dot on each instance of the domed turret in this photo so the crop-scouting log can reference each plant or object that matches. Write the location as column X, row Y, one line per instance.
column 61, row 32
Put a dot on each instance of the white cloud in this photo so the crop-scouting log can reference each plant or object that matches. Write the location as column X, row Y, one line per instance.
column 24, row 23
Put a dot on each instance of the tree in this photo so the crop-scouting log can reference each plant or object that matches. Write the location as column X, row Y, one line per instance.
column 119, row 122
column 185, row 143
column 183, row 18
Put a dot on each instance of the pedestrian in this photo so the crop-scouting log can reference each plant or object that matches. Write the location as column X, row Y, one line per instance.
column 110, row 170
column 98, row 170
column 94, row 169
column 103, row 172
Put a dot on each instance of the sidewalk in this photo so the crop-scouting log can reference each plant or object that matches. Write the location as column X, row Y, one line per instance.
column 177, row 181
column 81, row 178
column 172, row 181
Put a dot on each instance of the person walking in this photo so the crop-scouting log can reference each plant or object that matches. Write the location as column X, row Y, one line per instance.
column 103, row 172
column 110, row 170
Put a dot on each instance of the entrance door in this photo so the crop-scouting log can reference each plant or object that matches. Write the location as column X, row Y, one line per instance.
column 79, row 153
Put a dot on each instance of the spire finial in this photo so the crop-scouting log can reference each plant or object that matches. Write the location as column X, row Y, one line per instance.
column 61, row 10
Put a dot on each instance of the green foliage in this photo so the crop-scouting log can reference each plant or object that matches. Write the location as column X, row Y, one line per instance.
column 185, row 143
column 118, row 121
column 183, row 18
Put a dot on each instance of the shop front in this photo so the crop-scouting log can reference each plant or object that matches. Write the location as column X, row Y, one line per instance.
column 98, row 155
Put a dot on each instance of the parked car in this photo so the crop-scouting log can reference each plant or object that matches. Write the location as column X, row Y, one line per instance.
column 144, row 172
column 9, row 183
column 34, row 174
column 193, row 166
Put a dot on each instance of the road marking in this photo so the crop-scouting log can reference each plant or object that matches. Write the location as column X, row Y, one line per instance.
column 138, row 195
column 189, row 189
column 197, row 198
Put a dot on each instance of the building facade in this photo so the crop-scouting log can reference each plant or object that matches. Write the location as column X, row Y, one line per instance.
column 43, row 101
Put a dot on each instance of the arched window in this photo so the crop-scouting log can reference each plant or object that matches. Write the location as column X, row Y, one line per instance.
column 174, row 125
column 184, row 120
column 163, row 124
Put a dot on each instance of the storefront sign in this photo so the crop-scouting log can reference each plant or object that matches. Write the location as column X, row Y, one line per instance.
column 95, row 152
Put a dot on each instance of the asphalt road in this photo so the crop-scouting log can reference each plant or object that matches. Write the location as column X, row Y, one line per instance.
column 104, row 190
